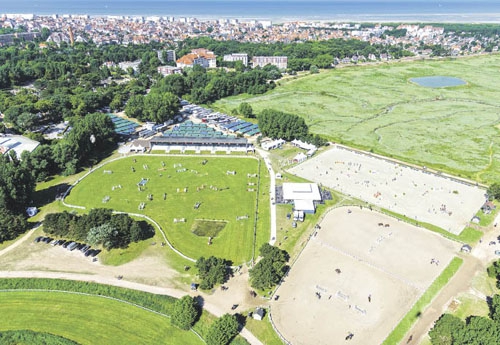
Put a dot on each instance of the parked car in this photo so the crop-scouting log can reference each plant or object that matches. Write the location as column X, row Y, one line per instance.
column 497, row 252
column 72, row 246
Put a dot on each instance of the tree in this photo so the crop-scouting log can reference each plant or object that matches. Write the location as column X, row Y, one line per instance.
column 223, row 330
column 16, row 183
column 495, row 309
column 313, row 69
column 211, row 271
column 494, row 191
column 246, row 110
column 446, row 329
column 270, row 269
column 185, row 312
column 134, row 107
column 11, row 225
column 276, row 124
column 160, row 107
column 323, row 61
column 104, row 234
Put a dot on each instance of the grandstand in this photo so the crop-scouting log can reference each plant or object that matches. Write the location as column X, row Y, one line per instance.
column 123, row 126
column 198, row 137
column 194, row 130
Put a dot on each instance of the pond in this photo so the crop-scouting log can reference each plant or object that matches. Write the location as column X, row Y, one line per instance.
column 438, row 81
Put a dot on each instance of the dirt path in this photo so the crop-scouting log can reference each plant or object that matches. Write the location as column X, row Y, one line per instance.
column 210, row 307
column 474, row 263
column 18, row 242
column 460, row 283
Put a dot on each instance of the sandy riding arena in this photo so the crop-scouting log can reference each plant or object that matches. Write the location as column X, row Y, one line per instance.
column 357, row 277
column 417, row 194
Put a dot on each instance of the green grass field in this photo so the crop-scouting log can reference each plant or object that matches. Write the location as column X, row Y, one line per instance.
column 227, row 199
column 377, row 108
column 88, row 320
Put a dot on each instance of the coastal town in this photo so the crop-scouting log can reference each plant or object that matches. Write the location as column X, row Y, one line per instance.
column 418, row 39
column 228, row 181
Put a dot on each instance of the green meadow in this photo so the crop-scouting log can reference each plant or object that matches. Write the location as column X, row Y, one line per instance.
column 190, row 193
column 88, row 319
column 378, row 108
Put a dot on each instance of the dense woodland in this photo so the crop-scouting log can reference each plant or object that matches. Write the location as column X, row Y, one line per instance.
column 279, row 125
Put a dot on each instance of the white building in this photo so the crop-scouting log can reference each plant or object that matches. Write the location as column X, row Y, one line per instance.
column 237, row 57
column 310, row 148
column 270, row 145
column 16, row 143
column 201, row 56
column 303, row 195
column 279, row 61
column 168, row 70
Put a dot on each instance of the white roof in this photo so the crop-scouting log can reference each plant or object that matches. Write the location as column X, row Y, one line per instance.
column 17, row 143
column 301, row 191
column 300, row 157
column 304, row 205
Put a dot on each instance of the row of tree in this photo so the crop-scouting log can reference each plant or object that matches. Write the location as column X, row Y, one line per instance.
column 186, row 312
column 98, row 227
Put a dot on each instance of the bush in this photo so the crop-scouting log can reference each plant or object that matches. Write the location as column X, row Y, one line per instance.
column 223, row 330
column 185, row 313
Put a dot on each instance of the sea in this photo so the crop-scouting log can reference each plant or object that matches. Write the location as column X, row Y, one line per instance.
column 460, row 11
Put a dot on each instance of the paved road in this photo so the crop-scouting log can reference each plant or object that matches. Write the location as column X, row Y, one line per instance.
column 213, row 309
column 272, row 196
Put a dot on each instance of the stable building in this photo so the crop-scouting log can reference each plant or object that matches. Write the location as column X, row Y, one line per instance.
column 303, row 195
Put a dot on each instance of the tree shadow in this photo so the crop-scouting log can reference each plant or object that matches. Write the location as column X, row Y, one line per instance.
column 48, row 195
column 200, row 302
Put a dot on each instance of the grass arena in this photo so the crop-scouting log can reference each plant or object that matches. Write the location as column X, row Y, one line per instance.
column 206, row 205
column 414, row 193
column 359, row 274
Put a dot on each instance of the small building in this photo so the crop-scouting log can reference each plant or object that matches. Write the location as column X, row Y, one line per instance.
column 168, row 70
column 258, row 314
column 488, row 206
column 16, row 143
column 299, row 157
column 271, row 145
column 303, row 196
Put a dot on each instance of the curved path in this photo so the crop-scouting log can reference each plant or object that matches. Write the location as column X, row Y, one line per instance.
column 213, row 309
column 19, row 242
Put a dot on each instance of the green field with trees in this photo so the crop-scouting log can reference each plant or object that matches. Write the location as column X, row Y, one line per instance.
column 377, row 108
column 172, row 192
